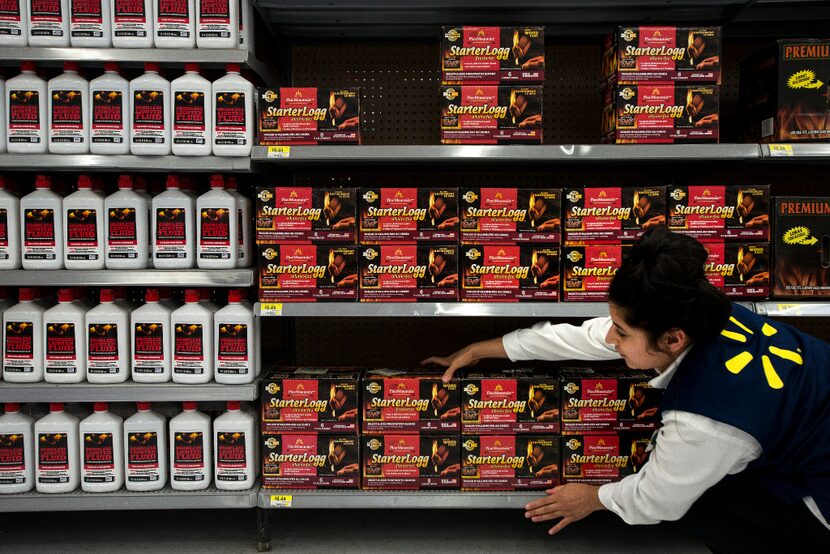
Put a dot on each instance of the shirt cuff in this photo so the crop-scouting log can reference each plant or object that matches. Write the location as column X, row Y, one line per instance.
column 606, row 494
column 511, row 345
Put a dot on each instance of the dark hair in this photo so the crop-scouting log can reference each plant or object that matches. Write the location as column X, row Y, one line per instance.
column 661, row 285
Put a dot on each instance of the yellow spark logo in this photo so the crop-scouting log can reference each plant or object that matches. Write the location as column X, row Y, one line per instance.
column 738, row 363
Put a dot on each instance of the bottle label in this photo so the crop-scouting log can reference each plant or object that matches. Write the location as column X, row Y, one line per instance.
column 53, row 458
column 60, row 348
column 214, row 234
column 171, row 233
column 19, row 348
column 229, row 119
column 39, row 227
column 98, row 457
column 12, row 459
column 232, row 349
column 189, row 118
column 67, row 116
column 122, row 237
column 148, row 348
column 142, row 457
column 102, row 348
column 24, row 116
column 129, row 18
column 231, row 461
column 86, row 18
column 82, row 234
column 10, row 17
column 189, row 456
column 107, row 116
column 188, row 349
column 45, row 18
column 148, row 117
column 173, row 19
column 4, row 233
column 214, row 18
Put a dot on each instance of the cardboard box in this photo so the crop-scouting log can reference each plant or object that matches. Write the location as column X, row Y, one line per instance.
column 802, row 246
column 292, row 272
column 310, row 399
column 492, row 55
column 484, row 114
column 308, row 115
column 411, row 272
column 510, row 401
column 393, row 214
column 510, row 272
column 600, row 459
column 720, row 212
column 509, row 462
column 739, row 269
column 608, row 401
column 587, row 270
column 506, row 215
column 310, row 461
column 399, row 401
column 610, row 214
column 305, row 214
column 661, row 54
column 411, row 461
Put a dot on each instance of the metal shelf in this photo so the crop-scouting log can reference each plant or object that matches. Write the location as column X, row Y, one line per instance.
column 149, row 164
column 796, row 152
column 360, row 499
column 135, row 278
column 783, row 308
column 126, row 392
column 432, row 309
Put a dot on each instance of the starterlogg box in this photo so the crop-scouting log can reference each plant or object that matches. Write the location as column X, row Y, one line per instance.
column 408, row 214
column 802, row 246
column 739, row 269
column 483, row 114
column 587, row 270
column 492, row 55
column 504, row 215
column 719, row 212
column 307, row 272
column 661, row 113
column 661, row 54
column 411, row 461
column 410, row 402
column 603, row 214
column 600, row 459
column 305, row 214
column 608, row 401
column 509, row 272
column 784, row 92
column 310, row 399
column 310, row 461
column 509, row 462
column 408, row 272
column 308, row 115
column 510, row 401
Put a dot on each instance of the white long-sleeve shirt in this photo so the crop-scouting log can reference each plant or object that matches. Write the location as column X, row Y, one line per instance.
column 693, row 452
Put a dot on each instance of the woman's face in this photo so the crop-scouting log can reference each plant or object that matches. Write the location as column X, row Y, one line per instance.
column 634, row 345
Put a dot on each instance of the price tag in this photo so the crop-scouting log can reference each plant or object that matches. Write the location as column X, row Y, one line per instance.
column 789, row 309
column 281, row 501
column 279, row 151
column 270, row 309
column 780, row 150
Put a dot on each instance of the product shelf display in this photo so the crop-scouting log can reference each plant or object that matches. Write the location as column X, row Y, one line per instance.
column 134, row 278
column 125, row 392
column 381, row 500
column 435, row 309
column 102, row 163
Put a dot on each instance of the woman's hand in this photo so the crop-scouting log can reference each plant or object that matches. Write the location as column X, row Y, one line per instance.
column 569, row 503
column 467, row 356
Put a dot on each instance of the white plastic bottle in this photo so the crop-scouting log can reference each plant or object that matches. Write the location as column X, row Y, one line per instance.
column 17, row 451
column 151, row 340
column 192, row 341
column 109, row 101
column 102, row 451
column 173, row 227
column 90, row 23
column 9, row 228
column 126, row 228
column 3, row 122
column 191, row 467
column 68, row 113
column 150, row 114
column 64, row 346
column 145, row 450
column 217, row 24
column 25, row 103
column 234, row 436
column 48, row 22
column 14, row 24
column 132, row 23
column 23, row 340
column 246, row 25
column 233, row 336
column 175, row 24
column 41, row 225
column 83, row 212
column 108, row 341
column 192, row 113
column 233, row 121
column 243, row 205
column 218, row 238
column 56, row 450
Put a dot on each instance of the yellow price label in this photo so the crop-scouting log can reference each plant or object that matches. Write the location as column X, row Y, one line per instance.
column 789, row 309
column 780, row 150
column 270, row 309
column 281, row 501
column 279, row 151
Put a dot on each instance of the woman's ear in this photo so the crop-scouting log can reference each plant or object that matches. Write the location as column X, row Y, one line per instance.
column 674, row 341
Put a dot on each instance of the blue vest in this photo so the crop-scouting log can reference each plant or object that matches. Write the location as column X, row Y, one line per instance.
column 773, row 382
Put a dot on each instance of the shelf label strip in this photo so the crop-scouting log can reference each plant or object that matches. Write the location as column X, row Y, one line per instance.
column 281, row 501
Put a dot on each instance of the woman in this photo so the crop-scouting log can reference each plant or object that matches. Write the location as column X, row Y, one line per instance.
column 743, row 456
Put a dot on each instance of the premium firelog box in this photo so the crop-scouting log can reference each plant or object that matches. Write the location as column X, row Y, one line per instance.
column 312, row 399
column 739, row 269
column 509, row 272
column 509, row 462
column 393, row 214
column 410, row 402
column 587, row 270
column 492, row 55
column 595, row 401
column 661, row 113
column 600, row 459
column 397, row 272
column 485, row 114
column 661, row 54
column 308, row 115
column 720, row 212
column 307, row 272
column 310, row 461
column 505, row 215
column 785, row 92
column 411, row 461
column 802, row 246
column 602, row 214
column 305, row 214
column 510, row 401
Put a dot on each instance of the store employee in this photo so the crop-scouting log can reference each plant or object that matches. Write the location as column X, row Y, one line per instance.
column 743, row 456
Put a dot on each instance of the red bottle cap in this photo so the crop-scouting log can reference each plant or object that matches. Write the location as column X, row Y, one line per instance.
column 100, row 406
column 234, row 296
column 71, row 66
column 43, row 182
column 151, row 295
column 125, row 182
column 143, row 406
column 66, row 295
column 111, row 66
column 190, row 406
column 151, row 66
column 107, row 295
column 191, row 296
column 28, row 66
column 191, row 68
column 84, row 182
column 12, row 407
column 217, row 182
column 233, row 68
column 233, row 404
column 173, row 182
column 56, row 406
column 25, row 295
